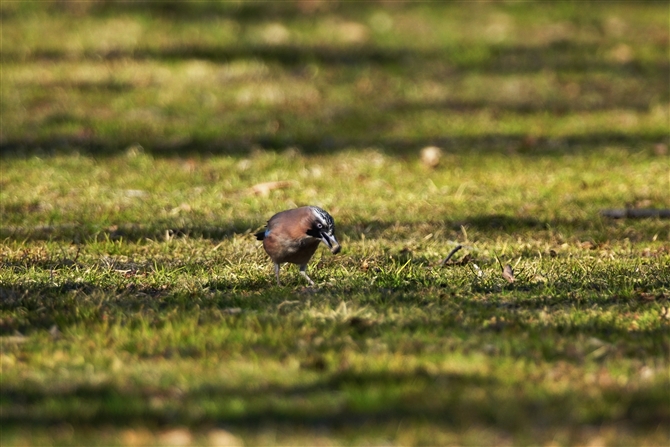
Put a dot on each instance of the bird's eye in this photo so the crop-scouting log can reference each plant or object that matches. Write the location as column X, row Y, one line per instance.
column 319, row 225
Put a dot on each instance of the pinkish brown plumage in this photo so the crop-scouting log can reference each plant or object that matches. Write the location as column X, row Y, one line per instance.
column 294, row 235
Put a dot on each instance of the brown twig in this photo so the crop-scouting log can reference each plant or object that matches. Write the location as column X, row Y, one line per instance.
column 450, row 255
column 498, row 259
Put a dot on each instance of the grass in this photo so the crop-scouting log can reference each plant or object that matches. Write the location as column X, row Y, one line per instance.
column 136, row 307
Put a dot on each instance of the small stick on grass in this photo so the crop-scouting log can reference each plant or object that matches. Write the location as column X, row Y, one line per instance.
column 450, row 255
column 498, row 259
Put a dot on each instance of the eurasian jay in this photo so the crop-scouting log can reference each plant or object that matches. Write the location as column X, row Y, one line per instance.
column 293, row 236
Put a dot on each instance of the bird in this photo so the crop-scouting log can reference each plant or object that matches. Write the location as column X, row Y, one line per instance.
column 294, row 235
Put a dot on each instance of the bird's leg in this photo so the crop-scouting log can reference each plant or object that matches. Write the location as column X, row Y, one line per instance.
column 277, row 274
column 303, row 273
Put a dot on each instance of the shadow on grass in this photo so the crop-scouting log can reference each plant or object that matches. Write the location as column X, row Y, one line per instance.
column 336, row 400
column 64, row 303
column 594, row 231
column 488, row 226
column 356, row 121
column 327, row 144
column 558, row 107
column 86, row 233
column 599, row 77
column 245, row 11
column 562, row 57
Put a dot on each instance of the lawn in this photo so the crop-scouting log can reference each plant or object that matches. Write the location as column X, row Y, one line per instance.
column 143, row 143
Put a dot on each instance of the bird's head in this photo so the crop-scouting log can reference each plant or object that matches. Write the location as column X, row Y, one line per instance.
column 323, row 228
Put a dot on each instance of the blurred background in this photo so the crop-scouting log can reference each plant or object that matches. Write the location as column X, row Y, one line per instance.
column 322, row 76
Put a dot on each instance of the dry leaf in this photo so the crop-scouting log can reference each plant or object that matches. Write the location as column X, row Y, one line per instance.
column 464, row 260
column 138, row 437
column 232, row 311
column 54, row 332
column 643, row 296
column 263, row 189
column 661, row 149
column 508, row 273
column 176, row 437
column 17, row 338
column 223, row 438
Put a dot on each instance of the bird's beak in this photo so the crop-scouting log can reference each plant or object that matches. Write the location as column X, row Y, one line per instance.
column 331, row 241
